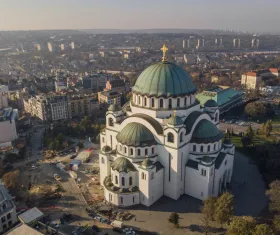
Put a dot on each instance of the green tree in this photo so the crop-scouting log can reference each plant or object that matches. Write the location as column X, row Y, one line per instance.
column 224, row 208
column 174, row 219
column 209, row 207
column 250, row 133
column 268, row 128
column 262, row 229
column 81, row 145
column 241, row 226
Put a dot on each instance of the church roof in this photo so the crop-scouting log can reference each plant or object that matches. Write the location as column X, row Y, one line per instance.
column 175, row 121
column 220, row 158
column 106, row 148
column 192, row 164
column 191, row 119
column 147, row 163
column 135, row 134
column 206, row 132
column 114, row 108
column 122, row 164
column 210, row 103
column 164, row 79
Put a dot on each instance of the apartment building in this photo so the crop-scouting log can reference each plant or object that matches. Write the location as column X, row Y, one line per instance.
column 117, row 85
column 8, row 129
column 109, row 97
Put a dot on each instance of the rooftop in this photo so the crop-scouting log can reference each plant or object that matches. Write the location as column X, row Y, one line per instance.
column 23, row 229
column 30, row 215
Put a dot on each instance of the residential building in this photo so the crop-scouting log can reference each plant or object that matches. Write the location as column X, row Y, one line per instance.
column 8, row 215
column 225, row 97
column 117, row 85
column 162, row 143
column 23, row 229
column 109, row 97
column 50, row 48
column 8, row 132
column 4, row 91
column 95, row 82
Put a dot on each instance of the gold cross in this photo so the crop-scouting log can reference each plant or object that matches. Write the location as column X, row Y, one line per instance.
column 164, row 50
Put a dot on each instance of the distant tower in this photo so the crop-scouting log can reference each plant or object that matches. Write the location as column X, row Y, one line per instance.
column 62, row 47
column 239, row 43
column 202, row 42
column 253, row 43
column 188, row 43
column 50, row 47
column 38, row 47
column 72, row 45
column 183, row 43
column 198, row 43
column 221, row 41
column 258, row 43
column 216, row 42
column 234, row 43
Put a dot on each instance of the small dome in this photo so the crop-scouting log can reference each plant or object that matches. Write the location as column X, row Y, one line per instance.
column 207, row 160
column 175, row 121
column 206, row 132
column 164, row 79
column 114, row 108
column 210, row 104
column 106, row 149
column 147, row 163
column 135, row 134
column 122, row 164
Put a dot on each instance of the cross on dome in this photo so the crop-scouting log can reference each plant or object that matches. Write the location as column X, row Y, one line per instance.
column 164, row 50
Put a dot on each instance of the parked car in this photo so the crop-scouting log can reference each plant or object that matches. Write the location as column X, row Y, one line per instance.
column 97, row 218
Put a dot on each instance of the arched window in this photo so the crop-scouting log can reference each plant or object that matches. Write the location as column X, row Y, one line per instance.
column 194, row 148
column 102, row 160
column 145, row 101
column 110, row 197
column 181, row 137
column 138, row 152
column 178, row 102
column 170, row 138
column 153, row 102
column 208, row 148
column 201, row 148
column 123, row 181
column 170, row 103
column 152, row 175
column 120, row 148
column 146, row 151
column 153, row 150
column 216, row 117
column 124, row 149
column 130, row 180
column 116, row 179
column 111, row 122
column 161, row 103
column 185, row 101
column 139, row 100
column 133, row 199
column 214, row 146
column 142, row 175
column 121, row 200
column 103, row 140
column 131, row 151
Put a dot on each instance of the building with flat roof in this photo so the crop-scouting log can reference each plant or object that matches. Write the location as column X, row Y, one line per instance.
column 8, row 215
column 109, row 97
column 225, row 97
column 30, row 216
column 8, row 131
column 23, row 229
column 117, row 85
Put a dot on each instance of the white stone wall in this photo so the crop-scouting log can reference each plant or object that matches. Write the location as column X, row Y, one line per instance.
column 128, row 199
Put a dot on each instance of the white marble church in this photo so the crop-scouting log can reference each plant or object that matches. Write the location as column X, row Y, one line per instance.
column 163, row 143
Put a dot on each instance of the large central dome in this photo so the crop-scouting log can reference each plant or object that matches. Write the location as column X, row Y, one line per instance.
column 164, row 79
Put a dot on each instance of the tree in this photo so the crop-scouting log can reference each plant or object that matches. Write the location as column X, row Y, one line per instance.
column 250, row 134
column 262, row 229
column 174, row 219
column 268, row 128
column 81, row 145
column 11, row 179
column 224, row 208
column 259, row 109
column 209, row 207
column 241, row 226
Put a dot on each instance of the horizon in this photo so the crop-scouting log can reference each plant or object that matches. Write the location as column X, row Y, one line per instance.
column 160, row 14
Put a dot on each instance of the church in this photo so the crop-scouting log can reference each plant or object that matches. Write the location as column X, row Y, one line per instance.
column 163, row 143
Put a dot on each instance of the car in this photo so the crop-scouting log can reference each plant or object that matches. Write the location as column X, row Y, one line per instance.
column 73, row 156
column 97, row 218
column 57, row 177
column 33, row 167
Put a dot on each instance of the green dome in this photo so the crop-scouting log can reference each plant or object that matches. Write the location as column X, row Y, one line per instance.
column 175, row 121
column 164, row 79
column 106, row 148
column 122, row 164
column 206, row 132
column 135, row 134
column 210, row 103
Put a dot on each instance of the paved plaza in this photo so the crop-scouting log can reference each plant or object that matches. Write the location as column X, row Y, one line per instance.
column 247, row 186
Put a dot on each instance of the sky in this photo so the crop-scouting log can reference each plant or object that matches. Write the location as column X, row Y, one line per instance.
column 246, row 15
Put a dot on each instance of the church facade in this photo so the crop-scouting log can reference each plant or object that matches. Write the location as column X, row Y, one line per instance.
column 163, row 142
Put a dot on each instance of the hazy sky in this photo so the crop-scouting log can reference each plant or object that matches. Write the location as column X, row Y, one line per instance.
column 252, row 15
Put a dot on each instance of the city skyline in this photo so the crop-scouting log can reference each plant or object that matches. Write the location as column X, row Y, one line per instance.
column 179, row 14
